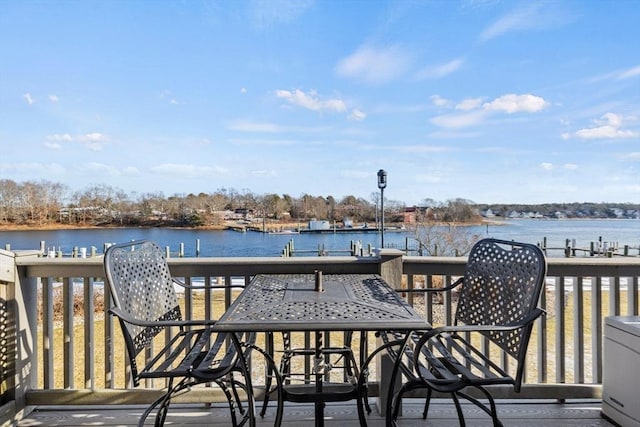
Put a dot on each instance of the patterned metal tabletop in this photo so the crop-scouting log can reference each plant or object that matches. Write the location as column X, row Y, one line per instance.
column 347, row 302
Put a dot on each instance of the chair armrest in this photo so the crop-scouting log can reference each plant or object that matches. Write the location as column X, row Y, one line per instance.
column 533, row 315
column 158, row 323
column 446, row 288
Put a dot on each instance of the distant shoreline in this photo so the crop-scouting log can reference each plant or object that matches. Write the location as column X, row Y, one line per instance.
column 269, row 226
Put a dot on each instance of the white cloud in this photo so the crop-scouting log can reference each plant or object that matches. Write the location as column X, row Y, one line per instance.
column 243, row 90
column 633, row 156
column 546, row 166
column 53, row 98
column 529, row 16
column 374, row 65
column 607, row 127
column 627, row 73
column 570, row 166
column 93, row 137
column 512, row 103
column 474, row 111
column 28, row 98
column 94, row 141
column 459, row 120
column 60, row 137
column 311, row 101
column 631, row 72
column 439, row 101
column 265, row 127
column 439, row 71
column 469, row 104
column 357, row 115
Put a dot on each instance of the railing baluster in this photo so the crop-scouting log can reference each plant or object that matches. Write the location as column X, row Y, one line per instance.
column 614, row 296
column 47, row 333
column 109, row 345
column 560, row 331
column 89, row 336
column 578, row 330
column 67, row 310
column 632, row 295
column 596, row 328
column 541, row 324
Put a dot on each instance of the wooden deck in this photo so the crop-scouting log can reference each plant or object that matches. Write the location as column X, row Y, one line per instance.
column 442, row 413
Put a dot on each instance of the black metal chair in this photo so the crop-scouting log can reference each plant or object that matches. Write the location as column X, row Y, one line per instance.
column 335, row 359
column 497, row 306
column 146, row 304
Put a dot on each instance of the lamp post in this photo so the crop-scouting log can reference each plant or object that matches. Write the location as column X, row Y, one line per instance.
column 382, row 184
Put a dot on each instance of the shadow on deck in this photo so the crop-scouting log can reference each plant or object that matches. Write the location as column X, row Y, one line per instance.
column 441, row 413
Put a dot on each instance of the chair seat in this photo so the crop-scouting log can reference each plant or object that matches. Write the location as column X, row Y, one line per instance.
column 454, row 363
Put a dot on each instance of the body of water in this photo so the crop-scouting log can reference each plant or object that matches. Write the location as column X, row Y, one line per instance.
column 236, row 244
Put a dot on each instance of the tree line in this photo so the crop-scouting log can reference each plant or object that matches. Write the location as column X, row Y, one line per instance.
column 43, row 202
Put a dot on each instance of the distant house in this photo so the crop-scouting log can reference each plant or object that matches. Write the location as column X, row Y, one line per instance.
column 488, row 213
column 409, row 215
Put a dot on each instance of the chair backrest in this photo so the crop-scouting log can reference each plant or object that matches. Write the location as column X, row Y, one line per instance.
column 141, row 286
column 502, row 284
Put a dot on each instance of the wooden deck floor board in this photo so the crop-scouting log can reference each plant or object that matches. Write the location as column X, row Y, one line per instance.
column 442, row 413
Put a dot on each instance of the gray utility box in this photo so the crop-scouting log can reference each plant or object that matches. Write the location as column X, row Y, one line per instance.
column 621, row 376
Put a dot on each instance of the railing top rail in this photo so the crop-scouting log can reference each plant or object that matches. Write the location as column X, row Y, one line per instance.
column 240, row 266
column 244, row 266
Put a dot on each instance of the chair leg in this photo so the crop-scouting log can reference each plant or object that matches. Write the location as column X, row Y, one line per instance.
column 246, row 374
column 233, row 399
column 271, row 366
column 426, row 404
column 491, row 411
column 456, row 401
column 162, row 401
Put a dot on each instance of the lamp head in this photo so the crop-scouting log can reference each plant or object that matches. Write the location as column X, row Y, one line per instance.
column 382, row 179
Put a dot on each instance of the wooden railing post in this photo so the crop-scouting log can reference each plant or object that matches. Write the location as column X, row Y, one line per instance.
column 391, row 266
column 391, row 272
column 21, row 306
column 18, row 318
column 7, row 338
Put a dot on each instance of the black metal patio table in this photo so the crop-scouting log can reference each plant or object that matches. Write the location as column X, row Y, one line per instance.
column 317, row 303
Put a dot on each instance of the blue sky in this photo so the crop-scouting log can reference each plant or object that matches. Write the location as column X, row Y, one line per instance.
column 487, row 100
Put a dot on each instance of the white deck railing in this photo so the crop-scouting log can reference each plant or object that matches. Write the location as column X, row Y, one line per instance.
column 52, row 356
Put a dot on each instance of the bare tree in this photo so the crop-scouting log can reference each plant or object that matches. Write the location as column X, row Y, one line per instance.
column 439, row 232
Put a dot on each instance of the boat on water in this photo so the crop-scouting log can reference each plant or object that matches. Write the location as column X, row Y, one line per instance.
column 284, row 232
